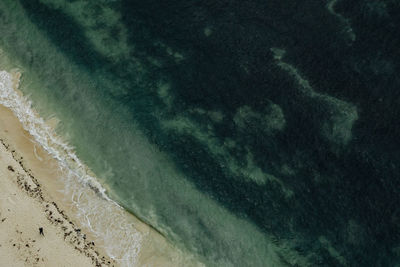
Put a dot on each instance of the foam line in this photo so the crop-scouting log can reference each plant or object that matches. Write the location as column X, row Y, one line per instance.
column 95, row 211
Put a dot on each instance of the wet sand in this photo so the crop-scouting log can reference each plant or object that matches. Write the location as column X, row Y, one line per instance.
column 25, row 207
column 33, row 195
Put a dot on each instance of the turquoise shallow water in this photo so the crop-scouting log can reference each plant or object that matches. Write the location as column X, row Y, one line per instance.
column 107, row 137
column 249, row 134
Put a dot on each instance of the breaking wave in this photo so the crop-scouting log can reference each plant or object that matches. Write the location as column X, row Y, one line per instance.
column 105, row 218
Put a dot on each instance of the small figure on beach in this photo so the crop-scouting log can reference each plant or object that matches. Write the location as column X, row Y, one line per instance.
column 41, row 231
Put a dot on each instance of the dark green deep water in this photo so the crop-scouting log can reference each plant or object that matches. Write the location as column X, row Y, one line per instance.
column 251, row 133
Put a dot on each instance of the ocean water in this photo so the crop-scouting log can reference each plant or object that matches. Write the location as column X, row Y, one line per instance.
column 249, row 133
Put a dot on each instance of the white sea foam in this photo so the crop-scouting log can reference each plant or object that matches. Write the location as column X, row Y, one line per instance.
column 105, row 218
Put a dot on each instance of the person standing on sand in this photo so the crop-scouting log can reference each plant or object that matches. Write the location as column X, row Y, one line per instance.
column 41, row 231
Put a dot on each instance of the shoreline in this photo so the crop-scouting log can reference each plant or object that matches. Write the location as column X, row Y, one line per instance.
column 58, row 223
column 127, row 240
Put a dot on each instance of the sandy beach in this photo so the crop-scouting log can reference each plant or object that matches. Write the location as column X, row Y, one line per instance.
column 25, row 206
column 33, row 195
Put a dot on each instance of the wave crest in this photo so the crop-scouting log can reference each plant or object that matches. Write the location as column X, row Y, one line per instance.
column 95, row 211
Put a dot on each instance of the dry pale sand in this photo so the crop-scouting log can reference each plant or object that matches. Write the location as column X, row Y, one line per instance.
column 24, row 207
column 32, row 196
